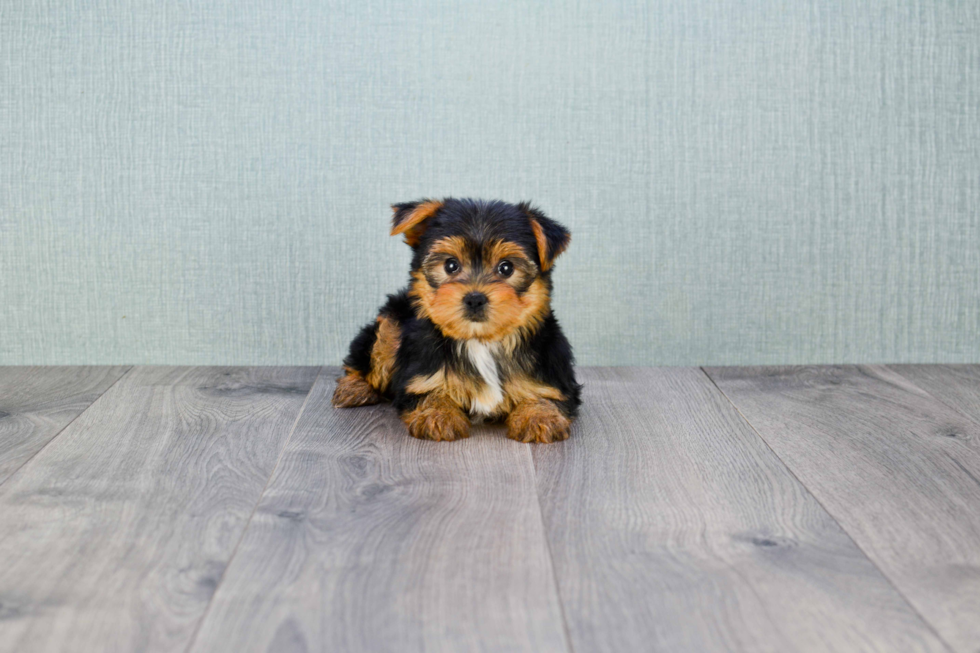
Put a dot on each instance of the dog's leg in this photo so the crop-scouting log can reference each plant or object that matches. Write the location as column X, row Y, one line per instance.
column 370, row 364
column 384, row 353
column 436, row 417
column 537, row 420
column 353, row 390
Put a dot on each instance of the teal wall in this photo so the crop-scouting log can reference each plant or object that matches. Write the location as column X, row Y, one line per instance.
column 755, row 182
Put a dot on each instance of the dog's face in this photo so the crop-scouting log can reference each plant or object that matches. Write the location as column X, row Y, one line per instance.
column 480, row 269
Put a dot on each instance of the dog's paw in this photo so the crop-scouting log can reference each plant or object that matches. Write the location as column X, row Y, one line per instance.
column 437, row 418
column 352, row 390
column 537, row 421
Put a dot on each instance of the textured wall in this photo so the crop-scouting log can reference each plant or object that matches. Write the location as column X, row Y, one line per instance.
column 757, row 182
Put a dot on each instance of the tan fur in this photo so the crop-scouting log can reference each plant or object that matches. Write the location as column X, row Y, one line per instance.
column 353, row 390
column 453, row 246
column 542, row 241
column 457, row 388
column 412, row 225
column 537, row 420
column 523, row 388
column 423, row 385
column 508, row 311
column 464, row 390
column 437, row 418
column 498, row 250
column 384, row 353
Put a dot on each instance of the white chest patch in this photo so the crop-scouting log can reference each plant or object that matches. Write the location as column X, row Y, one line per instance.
column 484, row 359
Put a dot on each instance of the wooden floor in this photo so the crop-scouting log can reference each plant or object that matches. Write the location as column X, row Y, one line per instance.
column 723, row 509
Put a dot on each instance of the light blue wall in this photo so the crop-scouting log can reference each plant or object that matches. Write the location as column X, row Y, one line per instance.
column 754, row 182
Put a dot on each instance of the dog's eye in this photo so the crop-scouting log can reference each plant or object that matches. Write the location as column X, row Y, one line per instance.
column 452, row 266
column 505, row 268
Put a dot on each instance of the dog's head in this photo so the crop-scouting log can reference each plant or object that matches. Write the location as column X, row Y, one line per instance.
column 480, row 269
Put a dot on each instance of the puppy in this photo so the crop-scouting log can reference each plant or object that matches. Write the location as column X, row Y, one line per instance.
column 472, row 336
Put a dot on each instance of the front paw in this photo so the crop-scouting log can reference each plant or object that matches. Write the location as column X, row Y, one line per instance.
column 437, row 418
column 538, row 421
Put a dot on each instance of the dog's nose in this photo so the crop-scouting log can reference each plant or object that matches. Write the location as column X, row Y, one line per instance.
column 475, row 301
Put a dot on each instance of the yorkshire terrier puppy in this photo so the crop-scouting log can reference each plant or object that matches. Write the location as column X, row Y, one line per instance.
column 472, row 336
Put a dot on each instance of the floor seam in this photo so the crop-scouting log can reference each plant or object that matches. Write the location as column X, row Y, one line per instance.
column 939, row 400
column 551, row 556
column 884, row 575
column 255, row 508
column 65, row 427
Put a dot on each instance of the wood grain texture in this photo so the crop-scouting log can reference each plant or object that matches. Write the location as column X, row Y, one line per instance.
column 114, row 537
column 897, row 468
column 673, row 527
column 957, row 386
column 37, row 402
column 370, row 540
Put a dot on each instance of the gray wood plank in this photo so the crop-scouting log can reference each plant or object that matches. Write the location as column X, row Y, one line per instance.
column 898, row 469
column 37, row 402
column 954, row 385
column 114, row 537
column 370, row 540
column 674, row 528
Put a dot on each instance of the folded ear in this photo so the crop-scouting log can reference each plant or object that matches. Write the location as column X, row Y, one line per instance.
column 552, row 238
column 411, row 219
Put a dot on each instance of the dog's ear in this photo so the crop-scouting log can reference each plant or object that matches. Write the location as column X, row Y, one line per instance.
column 412, row 219
column 552, row 238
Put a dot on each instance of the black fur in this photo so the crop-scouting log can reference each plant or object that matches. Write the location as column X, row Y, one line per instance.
column 552, row 358
column 543, row 354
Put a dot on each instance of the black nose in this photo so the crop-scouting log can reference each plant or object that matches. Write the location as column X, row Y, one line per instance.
column 475, row 301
